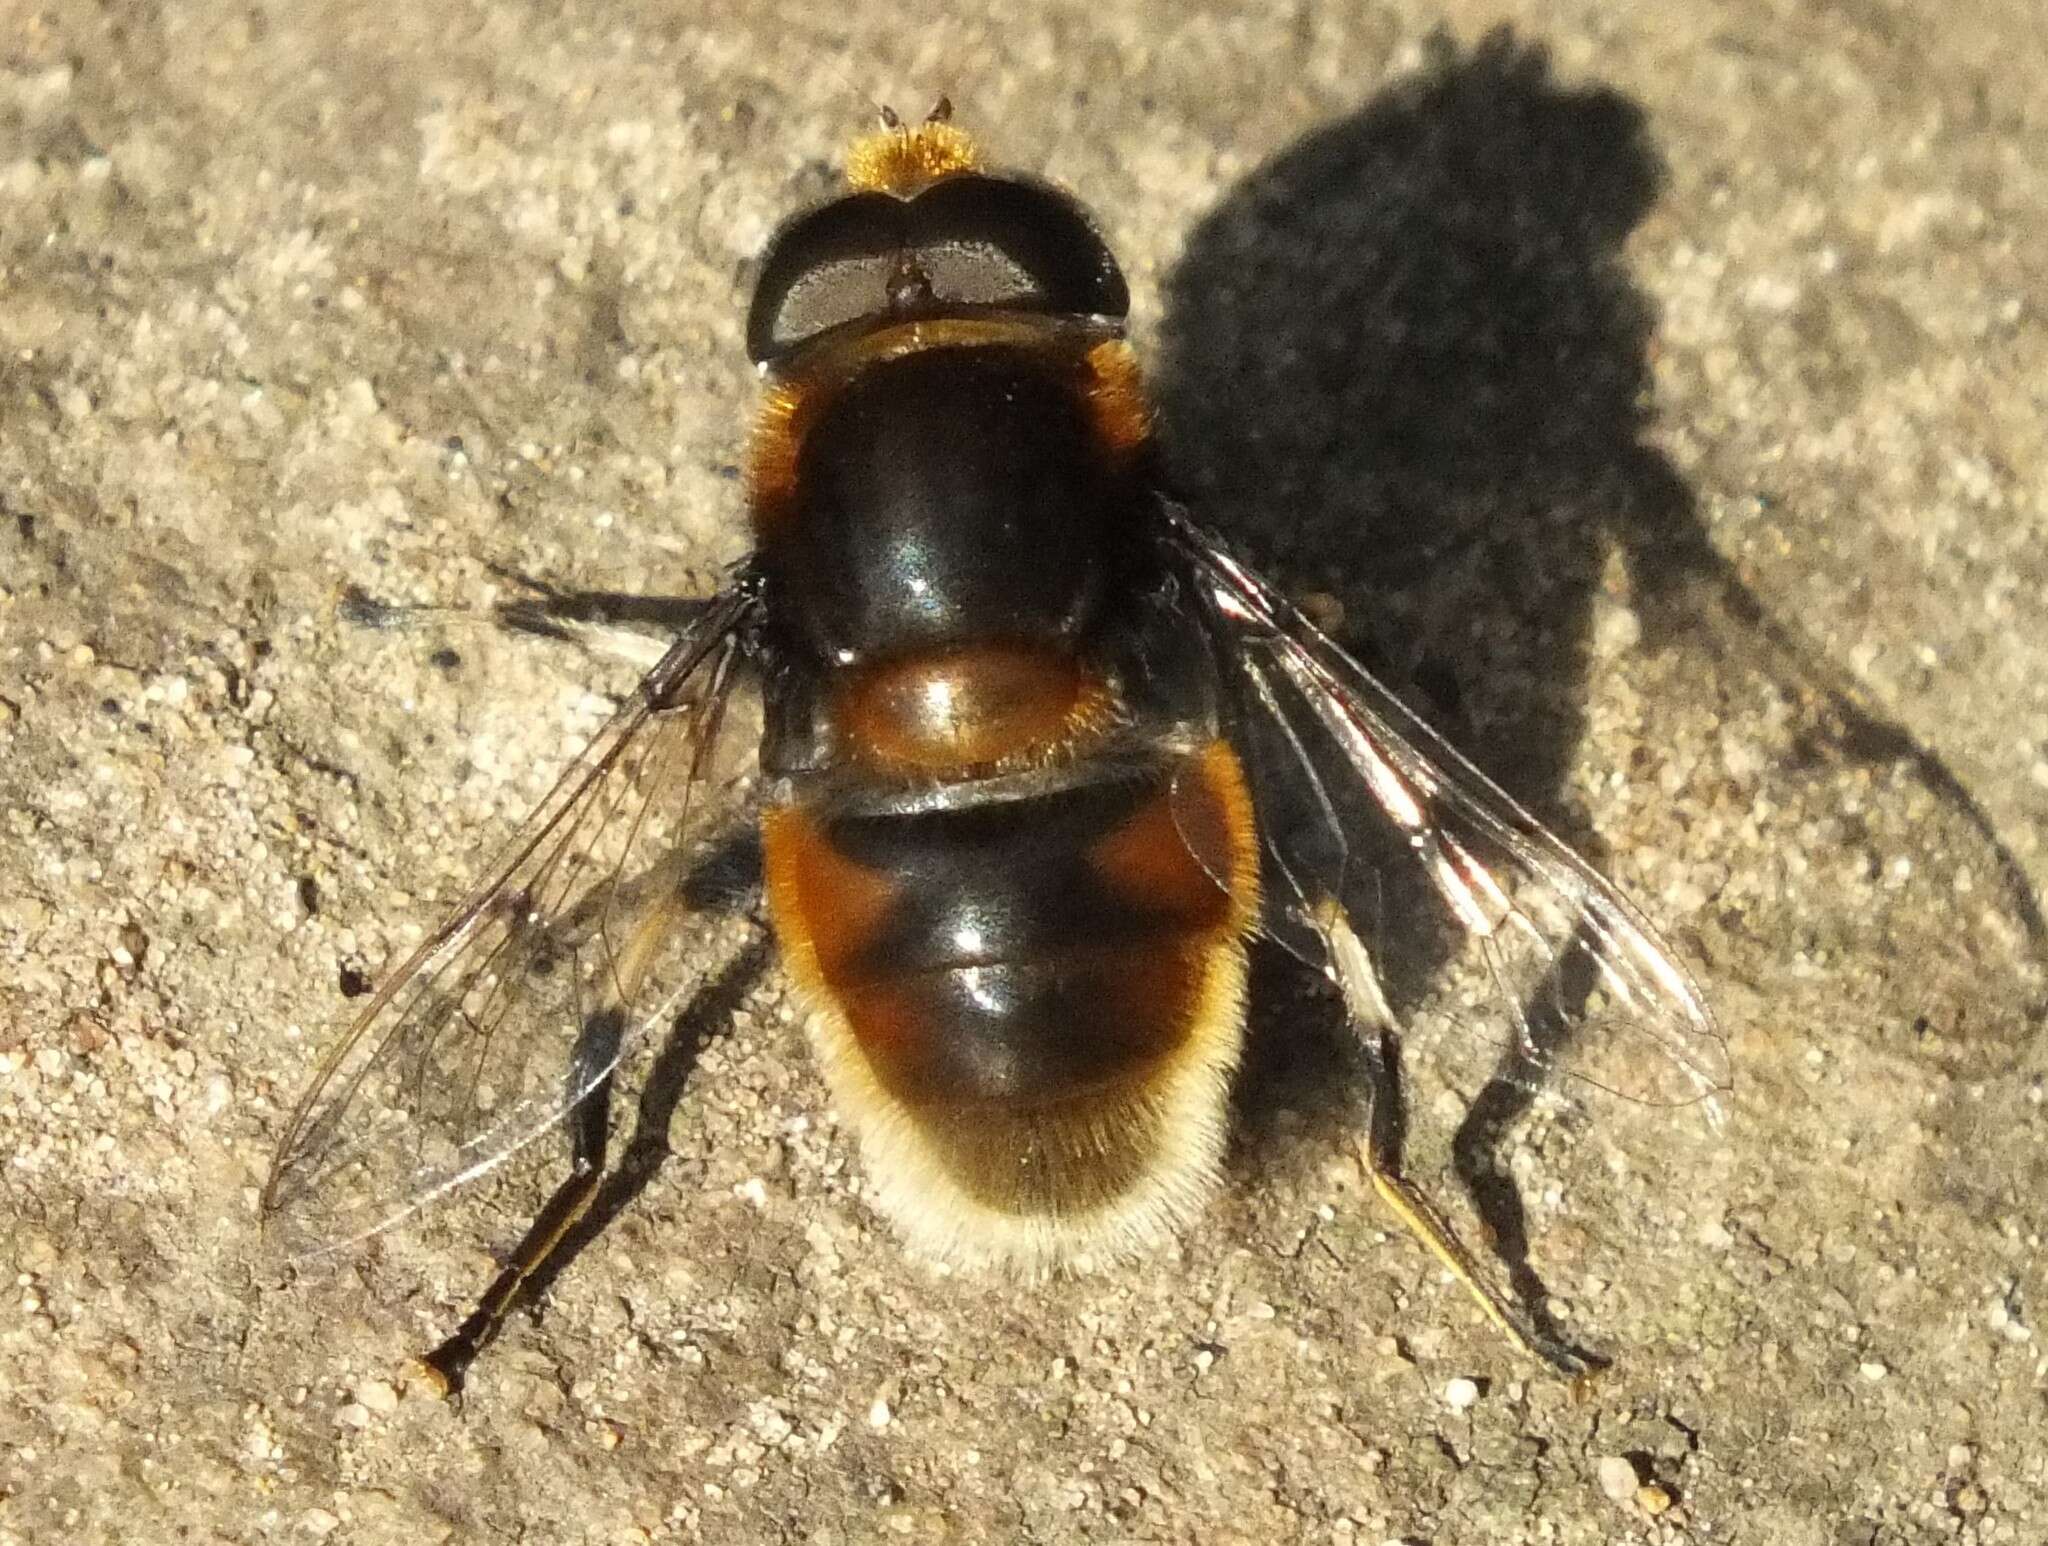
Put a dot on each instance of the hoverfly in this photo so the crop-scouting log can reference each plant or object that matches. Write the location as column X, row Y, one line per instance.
column 1038, row 761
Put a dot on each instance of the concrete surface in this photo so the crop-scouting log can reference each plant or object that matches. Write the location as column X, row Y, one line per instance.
column 1660, row 389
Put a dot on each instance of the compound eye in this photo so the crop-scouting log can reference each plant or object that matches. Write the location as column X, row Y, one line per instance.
column 1001, row 241
column 823, row 270
column 970, row 242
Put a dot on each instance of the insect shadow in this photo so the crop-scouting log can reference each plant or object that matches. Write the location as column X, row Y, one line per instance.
column 1404, row 362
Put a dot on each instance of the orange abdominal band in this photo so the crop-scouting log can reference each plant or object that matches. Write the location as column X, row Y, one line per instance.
column 969, row 709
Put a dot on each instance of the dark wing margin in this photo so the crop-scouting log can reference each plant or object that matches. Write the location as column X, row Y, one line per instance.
column 1368, row 816
column 571, row 940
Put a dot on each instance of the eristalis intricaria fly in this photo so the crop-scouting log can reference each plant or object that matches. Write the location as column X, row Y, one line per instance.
column 1039, row 761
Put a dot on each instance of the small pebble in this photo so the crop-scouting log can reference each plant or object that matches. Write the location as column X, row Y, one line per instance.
column 1618, row 1480
column 1873, row 1370
column 353, row 1415
column 1652, row 1499
column 379, row 1396
column 879, row 1414
column 1461, row 1394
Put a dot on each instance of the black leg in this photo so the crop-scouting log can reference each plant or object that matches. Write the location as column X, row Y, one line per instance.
column 647, row 1149
column 579, row 617
column 1381, row 1158
column 555, row 613
column 589, row 1130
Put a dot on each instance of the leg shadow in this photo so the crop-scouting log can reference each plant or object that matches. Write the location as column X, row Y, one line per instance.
column 647, row 1148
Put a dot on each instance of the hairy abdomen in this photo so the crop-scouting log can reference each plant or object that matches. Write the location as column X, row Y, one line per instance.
column 1029, row 1005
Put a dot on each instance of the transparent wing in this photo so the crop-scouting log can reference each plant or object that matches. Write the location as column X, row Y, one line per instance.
column 1366, row 810
column 549, row 972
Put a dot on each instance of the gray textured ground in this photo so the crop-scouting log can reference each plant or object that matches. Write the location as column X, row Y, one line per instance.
column 1659, row 386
